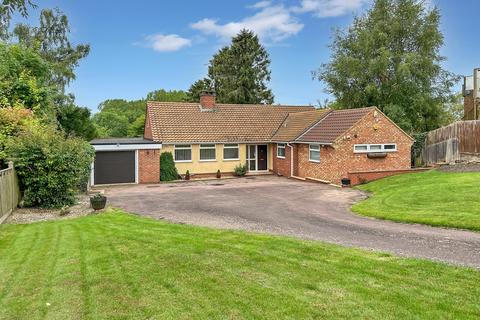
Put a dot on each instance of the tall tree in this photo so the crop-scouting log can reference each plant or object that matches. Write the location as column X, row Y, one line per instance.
column 170, row 95
column 199, row 86
column 239, row 73
column 51, row 40
column 390, row 58
column 7, row 8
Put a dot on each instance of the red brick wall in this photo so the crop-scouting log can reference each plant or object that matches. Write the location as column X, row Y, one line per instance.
column 337, row 161
column 281, row 166
column 149, row 166
column 147, row 131
column 363, row 177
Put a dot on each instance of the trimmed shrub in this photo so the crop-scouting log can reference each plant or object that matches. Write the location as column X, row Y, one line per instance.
column 50, row 167
column 168, row 172
column 240, row 170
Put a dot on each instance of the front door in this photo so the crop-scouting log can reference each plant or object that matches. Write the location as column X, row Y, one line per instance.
column 262, row 157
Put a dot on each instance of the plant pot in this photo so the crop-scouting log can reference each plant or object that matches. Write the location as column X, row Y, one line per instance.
column 187, row 177
column 98, row 203
column 346, row 182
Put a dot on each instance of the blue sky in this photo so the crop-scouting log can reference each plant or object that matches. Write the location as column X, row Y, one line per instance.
column 140, row 46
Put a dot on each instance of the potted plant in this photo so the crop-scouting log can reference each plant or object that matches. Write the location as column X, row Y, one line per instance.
column 98, row 201
column 346, row 182
column 219, row 175
column 187, row 175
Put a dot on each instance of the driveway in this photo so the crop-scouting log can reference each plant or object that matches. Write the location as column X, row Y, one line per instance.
column 283, row 206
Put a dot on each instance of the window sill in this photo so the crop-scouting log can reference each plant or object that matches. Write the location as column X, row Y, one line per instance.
column 231, row 159
column 279, row 157
column 213, row 160
column 314, row 161
column 182, row 161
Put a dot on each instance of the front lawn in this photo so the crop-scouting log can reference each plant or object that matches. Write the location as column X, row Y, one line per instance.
column 120, row 266
column 436, row 198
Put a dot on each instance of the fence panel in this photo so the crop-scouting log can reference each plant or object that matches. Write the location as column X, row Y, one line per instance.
column 450, row 143
column 9, row 191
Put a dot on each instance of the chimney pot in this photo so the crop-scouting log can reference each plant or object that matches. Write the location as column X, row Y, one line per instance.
column 207, row 100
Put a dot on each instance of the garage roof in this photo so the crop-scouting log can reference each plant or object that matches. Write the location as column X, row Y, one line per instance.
column 122, row 141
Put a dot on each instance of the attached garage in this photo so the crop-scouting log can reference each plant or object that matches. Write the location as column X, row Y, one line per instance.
column 124, row 160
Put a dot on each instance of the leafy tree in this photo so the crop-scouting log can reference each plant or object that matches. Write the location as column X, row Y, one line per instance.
column 136, row 128
column 7, row 8
column 164, row 95
column 390, row 58
column 199, row 86
column 454, row 109
column 111, row 124
column 24, row 80
column 76, row 121
column 239, row 72
column 50, row 39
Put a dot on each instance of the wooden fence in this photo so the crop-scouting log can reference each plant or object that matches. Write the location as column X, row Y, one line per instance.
column 9, row 191
column 456, row 142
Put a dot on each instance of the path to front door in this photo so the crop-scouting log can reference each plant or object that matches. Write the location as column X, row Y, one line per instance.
column 257, row 157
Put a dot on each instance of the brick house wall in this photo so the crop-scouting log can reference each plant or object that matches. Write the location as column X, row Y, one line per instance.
column 149, row 166
column 282, row 166
column 337, row 161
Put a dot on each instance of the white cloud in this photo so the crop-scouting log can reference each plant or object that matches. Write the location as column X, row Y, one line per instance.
column 329, row 8
column 167, row 43
column 261, row 4
column 270, row 23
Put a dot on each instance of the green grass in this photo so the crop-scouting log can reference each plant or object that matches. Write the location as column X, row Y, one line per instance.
column 120, row 266
column 435, row 198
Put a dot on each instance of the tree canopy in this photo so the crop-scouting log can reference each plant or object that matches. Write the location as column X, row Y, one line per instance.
column 390, row 58
column 239, row 73
column 122, row 118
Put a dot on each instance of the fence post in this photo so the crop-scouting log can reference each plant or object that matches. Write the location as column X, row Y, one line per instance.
column 12, row 184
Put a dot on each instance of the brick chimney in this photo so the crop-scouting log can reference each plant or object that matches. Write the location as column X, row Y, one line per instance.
column 207, row 100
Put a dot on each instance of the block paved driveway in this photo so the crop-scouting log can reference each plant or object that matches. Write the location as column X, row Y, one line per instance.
column 283, row 206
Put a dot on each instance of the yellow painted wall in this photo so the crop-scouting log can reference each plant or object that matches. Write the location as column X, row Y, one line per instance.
column 197, row 166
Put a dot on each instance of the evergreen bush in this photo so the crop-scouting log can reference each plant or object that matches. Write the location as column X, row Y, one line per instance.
column 168, row 172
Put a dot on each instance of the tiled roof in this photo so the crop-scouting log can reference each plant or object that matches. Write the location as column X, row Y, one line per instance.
column 186, row 122
column 333, row 125
column 297, row 123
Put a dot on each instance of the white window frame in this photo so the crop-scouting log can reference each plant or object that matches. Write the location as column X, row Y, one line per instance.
column 369, row 146
column 281, row 146
column 182, row 147
column 310, row 152
column 207, row 146
column 231, row 146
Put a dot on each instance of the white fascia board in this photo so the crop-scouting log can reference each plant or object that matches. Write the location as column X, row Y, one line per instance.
column 122, row 147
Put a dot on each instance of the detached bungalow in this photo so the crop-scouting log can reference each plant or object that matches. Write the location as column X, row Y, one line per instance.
column 293, row 141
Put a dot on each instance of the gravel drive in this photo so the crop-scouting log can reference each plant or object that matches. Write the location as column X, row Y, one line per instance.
column 284, row 206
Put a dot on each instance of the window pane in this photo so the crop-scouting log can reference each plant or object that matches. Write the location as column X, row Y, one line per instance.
column 230, row 153
column 207, row 146
column 251, row 152
column 314, row 155
column 235, row 145
column 207, row 154
column 389, row 147
column 314, row 147
column 183, row 155
column 281, row 151
column 375, row 147
column 251, row 166
column 360, row 148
